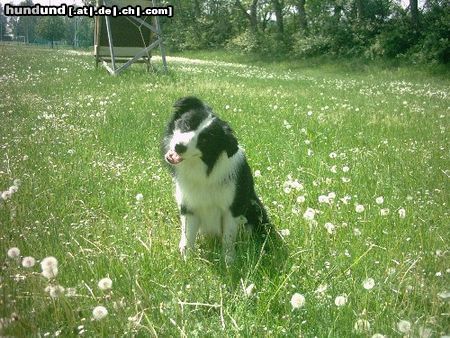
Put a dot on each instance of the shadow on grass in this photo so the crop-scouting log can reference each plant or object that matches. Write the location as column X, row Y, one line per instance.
column 256, row 258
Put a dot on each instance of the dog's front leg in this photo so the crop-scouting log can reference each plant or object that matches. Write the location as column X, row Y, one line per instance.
column 189, row 229
column 230, row 230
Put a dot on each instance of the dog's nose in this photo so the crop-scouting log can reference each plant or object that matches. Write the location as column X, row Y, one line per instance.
column 180, row 148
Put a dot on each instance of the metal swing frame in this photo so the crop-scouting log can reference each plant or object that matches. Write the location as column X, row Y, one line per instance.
column 126, row 55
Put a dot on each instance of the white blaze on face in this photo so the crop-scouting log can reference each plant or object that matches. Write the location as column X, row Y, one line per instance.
column 188, row 139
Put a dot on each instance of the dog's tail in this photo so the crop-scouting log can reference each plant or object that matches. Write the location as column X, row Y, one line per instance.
column 262, row 228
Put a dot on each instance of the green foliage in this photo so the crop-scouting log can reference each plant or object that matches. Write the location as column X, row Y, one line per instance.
column 51, row 28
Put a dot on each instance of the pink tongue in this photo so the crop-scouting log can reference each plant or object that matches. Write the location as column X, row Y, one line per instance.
column 172, row 157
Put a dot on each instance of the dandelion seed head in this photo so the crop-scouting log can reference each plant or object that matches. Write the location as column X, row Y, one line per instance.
column 297, row 300
column 345, row 169
column 28, row 262
column 99, row 312
column 301, row 199
column 330, row 228
column 139, row 197
column 379, row 200
column 356, row 232
column 359, row 208
column 369, row 283
column 340, row 300
column 257, row 173
column 105, row 284
column 404, row 326
column 378, row 335
column 332, row 155
column 248, row 291
column 49, row 263
column 309, row 214
column 13, row 252
column 402, row 213
column 384, row 211
column 6, row 195
column 323, row 199
column 55, row 291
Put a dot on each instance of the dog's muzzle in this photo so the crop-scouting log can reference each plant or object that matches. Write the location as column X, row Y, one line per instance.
column 173, row 157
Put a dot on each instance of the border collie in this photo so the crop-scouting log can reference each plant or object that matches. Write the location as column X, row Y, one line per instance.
column 213, row 182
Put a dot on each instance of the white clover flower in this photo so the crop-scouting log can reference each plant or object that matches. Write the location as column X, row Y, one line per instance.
column 309, row 214
column 345, row 169
column 340, row 300
column 248, row 291
column 301, row 199
column 330, row 228
column 362, row 325
column 28, row 262
column 333, row 155
column 257, row 173
column 379, row 200
column 369, row 283
column 139, row 197
column 402, row 213
column 384, row 212
column 404, row 326
column 359, row 208
column 105, row 284
column 99, row 312
column 14, row 252
column 297, row 300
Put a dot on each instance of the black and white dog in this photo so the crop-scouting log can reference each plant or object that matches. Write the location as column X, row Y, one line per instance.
column 214, row 183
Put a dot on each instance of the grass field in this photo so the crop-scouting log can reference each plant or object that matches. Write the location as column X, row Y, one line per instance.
column 353, row 168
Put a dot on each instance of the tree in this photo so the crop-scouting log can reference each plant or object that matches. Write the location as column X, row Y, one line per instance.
column 278, row 9
column 302, row 21
column 3, row 22
column 51, row 28
column 251, row 15
column 414, row 7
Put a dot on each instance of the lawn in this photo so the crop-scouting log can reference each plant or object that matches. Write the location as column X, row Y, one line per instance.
column 353, row 167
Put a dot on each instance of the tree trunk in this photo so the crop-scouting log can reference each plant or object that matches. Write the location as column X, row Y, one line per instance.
column 278, row 9
column 413, row 4
column 302, row 21
column 252, row 17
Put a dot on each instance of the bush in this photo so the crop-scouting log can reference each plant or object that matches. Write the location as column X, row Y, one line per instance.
column 306, row 46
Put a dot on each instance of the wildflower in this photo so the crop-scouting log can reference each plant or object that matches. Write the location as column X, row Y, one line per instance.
column 333, row 155
column 330, row 228
column 384, row 212
column 55, row 291
column 99, row 312
column 379, row 200
column 297, row 301
column 105, row 284
column 356, row 232
column 334, row 169
column 402, row 213
column 404, row 326
column 285, row 232
column 345, row 169
column 28, row 262
column 359, row 208
column 6, row 195
column 13, row 252
column 257, row 173
column 362, row 325
column 324, row 199
column 369, row 283
column 49, row 267
column 139, row 197
column 249, row 290
column 309, row 214
column 301, row 199
column 340, row 300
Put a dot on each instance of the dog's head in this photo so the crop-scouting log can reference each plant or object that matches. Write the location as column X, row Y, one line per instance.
column 195, row 132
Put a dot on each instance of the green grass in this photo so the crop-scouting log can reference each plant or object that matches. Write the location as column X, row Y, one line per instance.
column 84, row 144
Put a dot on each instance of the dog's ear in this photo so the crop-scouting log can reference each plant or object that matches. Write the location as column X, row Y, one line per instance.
column 187, row 103
column 231, row 143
